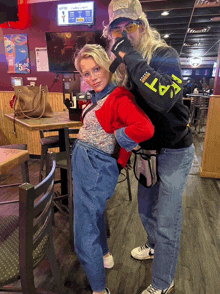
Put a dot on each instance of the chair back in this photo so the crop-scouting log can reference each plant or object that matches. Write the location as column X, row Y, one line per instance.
column 35, row 211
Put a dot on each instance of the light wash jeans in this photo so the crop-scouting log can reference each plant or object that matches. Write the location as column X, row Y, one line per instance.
column 95, row 176
column 161, row 212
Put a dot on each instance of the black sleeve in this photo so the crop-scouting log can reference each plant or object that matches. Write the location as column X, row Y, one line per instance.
column 160, row 83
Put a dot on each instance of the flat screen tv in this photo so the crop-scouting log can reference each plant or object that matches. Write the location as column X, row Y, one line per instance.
column 186, row 72
column 206, row 72
column 79, row 13
column 61, row 48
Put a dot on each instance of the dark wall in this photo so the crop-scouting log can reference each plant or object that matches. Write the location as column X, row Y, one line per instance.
column 43, row 20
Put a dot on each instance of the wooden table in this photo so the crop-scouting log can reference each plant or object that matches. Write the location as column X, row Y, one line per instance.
column 9, row 158
column 59, row 121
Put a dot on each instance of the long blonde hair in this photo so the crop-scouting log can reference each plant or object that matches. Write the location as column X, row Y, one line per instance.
column 99, row 55
column 149, row 42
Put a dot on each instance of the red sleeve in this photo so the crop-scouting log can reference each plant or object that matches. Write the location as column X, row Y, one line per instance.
column 123, row 157
column 139, row 128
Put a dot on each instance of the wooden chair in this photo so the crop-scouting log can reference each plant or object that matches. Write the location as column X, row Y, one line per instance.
column 25, row 240
column 46, row 143
column 24, row 165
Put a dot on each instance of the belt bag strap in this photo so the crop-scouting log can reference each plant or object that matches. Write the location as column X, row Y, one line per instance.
column 88, row 109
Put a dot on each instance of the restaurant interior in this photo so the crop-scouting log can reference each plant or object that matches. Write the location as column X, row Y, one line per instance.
column 37, row 46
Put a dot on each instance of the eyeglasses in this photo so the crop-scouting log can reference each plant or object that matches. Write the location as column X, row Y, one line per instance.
column 95, row 71
column 129, row 28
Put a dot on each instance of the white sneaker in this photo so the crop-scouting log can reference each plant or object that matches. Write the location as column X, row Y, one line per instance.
column 108, row 261
column 142, row 252
column 107, row 291
column 151, row 290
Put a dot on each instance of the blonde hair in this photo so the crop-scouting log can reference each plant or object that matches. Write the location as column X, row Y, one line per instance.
column 99, row 55
column 149, row 43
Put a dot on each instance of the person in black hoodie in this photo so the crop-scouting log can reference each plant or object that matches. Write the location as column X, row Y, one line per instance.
column 150, row 69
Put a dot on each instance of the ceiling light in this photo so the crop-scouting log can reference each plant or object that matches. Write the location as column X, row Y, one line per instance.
column 195, row 61
column 217, row 18
column 166, row 36
column 207, row 3
column 191, row 44
column 198, row 30
column 165, row 13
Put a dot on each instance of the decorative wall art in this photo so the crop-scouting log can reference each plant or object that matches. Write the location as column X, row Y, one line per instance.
column 16, row 51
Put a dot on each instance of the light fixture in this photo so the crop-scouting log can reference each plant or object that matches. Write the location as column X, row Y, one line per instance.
column 198, row 30
column 217, row 18
column 166, row 36
column 195, row 61
column 207, row 3
column 165, row 13
column 192, row 44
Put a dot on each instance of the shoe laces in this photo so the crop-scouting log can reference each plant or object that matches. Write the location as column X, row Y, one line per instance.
column 152, row 290
column 143, row 247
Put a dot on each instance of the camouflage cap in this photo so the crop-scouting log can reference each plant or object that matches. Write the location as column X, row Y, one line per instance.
column 124, row 9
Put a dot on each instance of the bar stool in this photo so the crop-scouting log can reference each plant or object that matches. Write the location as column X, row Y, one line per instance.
column 203, row 111
column 63, row 161
column 46, row 143
column 24, row 165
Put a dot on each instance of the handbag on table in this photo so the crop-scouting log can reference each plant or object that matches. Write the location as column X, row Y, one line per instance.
column 31, row 102
column 145, row 167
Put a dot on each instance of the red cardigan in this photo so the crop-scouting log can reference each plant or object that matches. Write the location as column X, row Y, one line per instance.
column 120, row 110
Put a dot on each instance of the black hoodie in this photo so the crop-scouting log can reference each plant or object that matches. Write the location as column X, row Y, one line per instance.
column 158, row 90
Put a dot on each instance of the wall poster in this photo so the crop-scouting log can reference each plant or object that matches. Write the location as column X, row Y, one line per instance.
column 42, row 59
column 16, row 52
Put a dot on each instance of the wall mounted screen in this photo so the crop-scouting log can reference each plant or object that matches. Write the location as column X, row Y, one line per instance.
column 81, row 13
column 61, row 48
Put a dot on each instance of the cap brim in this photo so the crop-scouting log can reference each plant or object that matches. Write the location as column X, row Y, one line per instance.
column 119, row 20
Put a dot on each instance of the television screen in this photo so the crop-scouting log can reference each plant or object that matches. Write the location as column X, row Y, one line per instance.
column 81, row 13
column 61, row 48
column 15, row 81
column 8, row 11
column 203, row 72
column 186, row 72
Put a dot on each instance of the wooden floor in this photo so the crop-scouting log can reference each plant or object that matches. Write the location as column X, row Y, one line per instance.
column 199, row 259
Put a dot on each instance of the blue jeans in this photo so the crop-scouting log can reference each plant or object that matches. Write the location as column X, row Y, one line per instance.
column 161, row 212
column 95, row 176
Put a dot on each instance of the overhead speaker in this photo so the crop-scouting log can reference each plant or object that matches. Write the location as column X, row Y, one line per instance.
column 8, row 11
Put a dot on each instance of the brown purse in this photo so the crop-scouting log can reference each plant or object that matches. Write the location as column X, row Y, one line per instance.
column 32, row 102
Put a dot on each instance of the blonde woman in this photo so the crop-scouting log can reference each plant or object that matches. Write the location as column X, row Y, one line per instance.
column 151, row 70
column 111, row 116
